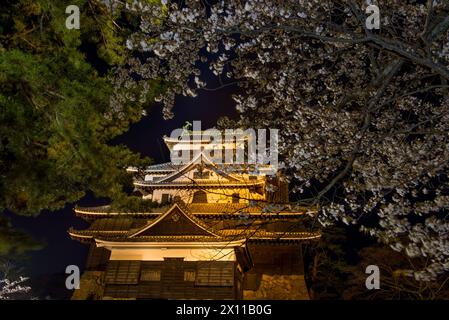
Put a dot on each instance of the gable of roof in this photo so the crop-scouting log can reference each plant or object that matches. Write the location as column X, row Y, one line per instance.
column 175, row 222
column 201, row 158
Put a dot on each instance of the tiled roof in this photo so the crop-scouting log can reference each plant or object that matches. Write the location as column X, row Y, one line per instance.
column 225, row 235
column 199, row 183
column 263, row 234
column 167, row 166
column 236, row 208
column 184, row 220
column 123, row 228
column 170, row 238
column 91, row 234
column 116, row 224
column 107, row 211
column 201, row 209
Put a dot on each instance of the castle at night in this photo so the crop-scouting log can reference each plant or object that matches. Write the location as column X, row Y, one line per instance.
column 219, row 231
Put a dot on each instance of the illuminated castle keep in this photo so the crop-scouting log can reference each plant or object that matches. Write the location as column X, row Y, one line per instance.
column 222, row 231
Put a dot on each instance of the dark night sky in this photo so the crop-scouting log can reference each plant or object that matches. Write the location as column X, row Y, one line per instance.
column 46, row 267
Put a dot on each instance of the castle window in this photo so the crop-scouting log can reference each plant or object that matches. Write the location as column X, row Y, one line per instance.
column 165, row 198
column 150, row 275
column 201, row 175
column 199, row 197
column 189, row 276
column 122, row 272
column 215, row 275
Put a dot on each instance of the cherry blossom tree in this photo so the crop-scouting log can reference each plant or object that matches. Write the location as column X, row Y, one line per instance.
column 9, row 287
column 363, row 113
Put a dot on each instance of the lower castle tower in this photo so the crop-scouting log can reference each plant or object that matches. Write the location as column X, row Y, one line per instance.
column 220, row 231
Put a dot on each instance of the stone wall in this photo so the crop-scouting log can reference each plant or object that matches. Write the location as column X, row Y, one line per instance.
column 279, row 287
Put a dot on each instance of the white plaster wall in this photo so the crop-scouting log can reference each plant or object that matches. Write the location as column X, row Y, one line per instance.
column 158, row 254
